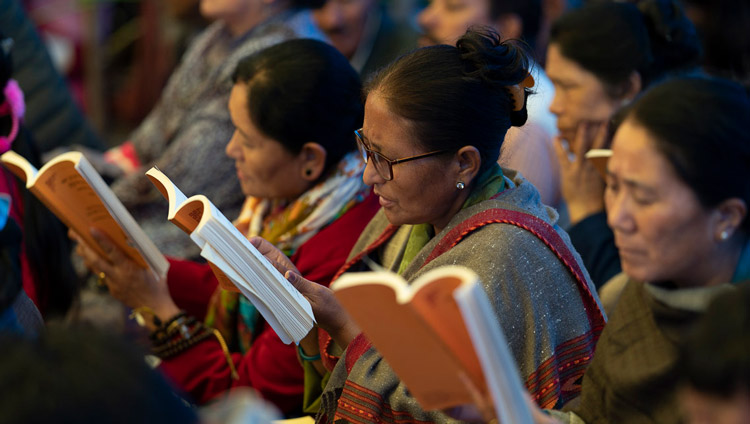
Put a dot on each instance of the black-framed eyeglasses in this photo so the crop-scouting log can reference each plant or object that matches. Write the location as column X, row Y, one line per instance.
column 382, row 164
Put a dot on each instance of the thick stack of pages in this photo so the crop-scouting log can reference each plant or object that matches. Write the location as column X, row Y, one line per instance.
column 235, row 260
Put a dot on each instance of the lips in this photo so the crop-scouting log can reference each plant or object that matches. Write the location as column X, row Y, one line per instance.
column 631, row 253
column 384, row 201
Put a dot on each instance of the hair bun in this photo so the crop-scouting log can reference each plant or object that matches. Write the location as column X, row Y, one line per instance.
column 499, row 64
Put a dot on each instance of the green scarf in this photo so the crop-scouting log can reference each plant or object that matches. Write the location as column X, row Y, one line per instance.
column 489, row 183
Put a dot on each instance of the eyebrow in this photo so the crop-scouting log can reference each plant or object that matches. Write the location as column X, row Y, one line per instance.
column 242, row 133
column 373, row 146
column 632, row 183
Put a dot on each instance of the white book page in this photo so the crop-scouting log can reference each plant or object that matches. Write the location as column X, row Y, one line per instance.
column 498, row 364
column 214, row 257
column 283, row 304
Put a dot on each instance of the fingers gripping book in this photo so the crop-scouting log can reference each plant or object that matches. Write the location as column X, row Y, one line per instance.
column 440, row 335
column 236, row 261
column 70, row 187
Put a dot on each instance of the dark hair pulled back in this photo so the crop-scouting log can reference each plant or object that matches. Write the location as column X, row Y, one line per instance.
column 613, row 40
column 302, row 91
column 457, row 96
column 700, row 126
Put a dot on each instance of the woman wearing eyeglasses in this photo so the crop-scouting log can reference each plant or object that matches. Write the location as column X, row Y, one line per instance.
column 434, row 123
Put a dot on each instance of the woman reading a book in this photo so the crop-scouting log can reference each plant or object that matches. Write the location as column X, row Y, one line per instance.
column 294, row 106
column 434, row 123
column 677, row 200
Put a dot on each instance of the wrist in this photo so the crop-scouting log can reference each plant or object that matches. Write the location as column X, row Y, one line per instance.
column 153, row 318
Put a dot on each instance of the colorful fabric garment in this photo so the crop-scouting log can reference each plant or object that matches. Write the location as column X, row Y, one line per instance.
column 550, row 315
column 287, row 226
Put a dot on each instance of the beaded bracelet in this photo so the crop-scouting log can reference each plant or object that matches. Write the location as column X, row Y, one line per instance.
column 182, row 332
column 306, row 357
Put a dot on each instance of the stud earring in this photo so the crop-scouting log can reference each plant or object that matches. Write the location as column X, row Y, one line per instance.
column 308, row 172
column 460, row 185
column 724, row 235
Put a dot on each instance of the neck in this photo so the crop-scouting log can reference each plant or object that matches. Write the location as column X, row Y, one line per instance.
column 254, row 16
column 457, row 205
column 719, row 267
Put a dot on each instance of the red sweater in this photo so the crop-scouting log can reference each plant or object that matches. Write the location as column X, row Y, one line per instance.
column 270, row 366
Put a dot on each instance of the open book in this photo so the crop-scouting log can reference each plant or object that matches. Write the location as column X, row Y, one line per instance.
column 70, row 187
column 440, row 335
column 235, row 261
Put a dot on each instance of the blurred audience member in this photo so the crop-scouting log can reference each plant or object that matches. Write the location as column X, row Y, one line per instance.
column 723, row 28
column 42, row 248
column 192, row 120
column 81, row 376
column 52, row 117
column 364, row 32
column 716, row 362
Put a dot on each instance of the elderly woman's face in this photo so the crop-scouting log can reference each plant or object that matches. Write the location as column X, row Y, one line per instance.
column 264, row 167
column 661, row 230
column 421, row 191
column 579, row 95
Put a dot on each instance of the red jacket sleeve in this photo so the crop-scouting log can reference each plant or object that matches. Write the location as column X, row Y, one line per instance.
column 191, row 285
column 270, row 366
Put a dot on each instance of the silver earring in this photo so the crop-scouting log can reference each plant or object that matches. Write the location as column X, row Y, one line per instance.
column 460, row 185
column 724, row 235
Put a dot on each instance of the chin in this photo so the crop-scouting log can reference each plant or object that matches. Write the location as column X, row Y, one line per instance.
column 639, row 273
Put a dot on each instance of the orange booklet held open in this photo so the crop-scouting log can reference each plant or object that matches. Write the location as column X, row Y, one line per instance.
column 440, row 335
column 72, row 189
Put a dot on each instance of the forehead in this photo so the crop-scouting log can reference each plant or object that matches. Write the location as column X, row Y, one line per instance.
column 560, row 67
column 634, row 154
column 384, row 128
column 479, row 9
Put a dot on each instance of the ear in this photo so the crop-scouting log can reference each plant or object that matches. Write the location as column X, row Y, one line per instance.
column 312, row 159
column 634, row 86
column 730, row 214
column 469, row 162
column 509, row 25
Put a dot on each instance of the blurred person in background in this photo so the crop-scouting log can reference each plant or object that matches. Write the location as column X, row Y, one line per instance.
column 715, row 362
column 191, row 120
column 364, row 32
column 38, row 250
column 79, row 375
column 722, row 26
column 52, row 116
